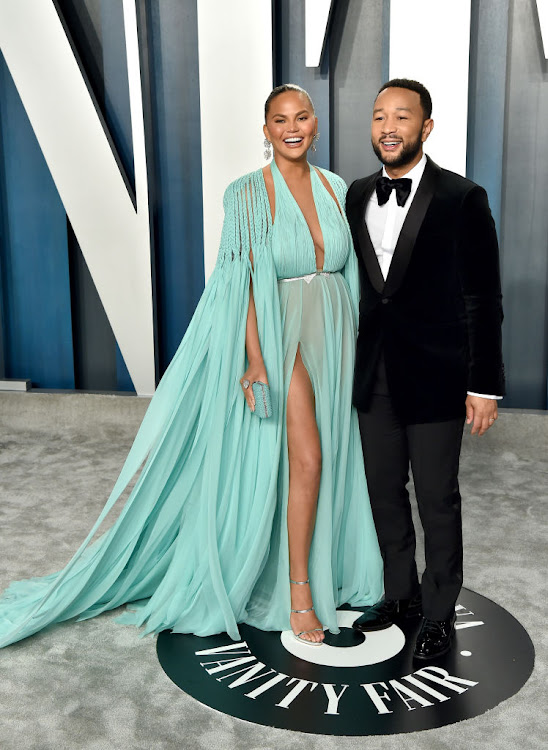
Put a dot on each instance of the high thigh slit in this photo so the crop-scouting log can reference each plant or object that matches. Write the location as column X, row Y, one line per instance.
column 305, row 461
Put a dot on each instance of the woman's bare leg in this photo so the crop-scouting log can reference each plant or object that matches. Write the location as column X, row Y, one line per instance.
column 305, row 463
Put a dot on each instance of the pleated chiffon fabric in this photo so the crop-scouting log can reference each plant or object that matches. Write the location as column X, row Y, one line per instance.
column 201, row 543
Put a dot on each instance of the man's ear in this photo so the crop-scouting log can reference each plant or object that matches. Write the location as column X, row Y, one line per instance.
column 427, row 127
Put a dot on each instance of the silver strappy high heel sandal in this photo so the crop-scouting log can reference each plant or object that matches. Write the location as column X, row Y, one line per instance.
column 297, row 636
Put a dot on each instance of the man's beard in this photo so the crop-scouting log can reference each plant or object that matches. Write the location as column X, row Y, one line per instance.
column 408, row 153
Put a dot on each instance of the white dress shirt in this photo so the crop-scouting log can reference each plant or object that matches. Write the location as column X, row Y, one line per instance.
column 384, row 222
column 384, row 225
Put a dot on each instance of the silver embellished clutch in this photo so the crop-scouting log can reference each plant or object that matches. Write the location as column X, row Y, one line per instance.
column 263, row 402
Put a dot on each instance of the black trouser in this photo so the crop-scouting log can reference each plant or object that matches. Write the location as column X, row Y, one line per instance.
column 433, row 451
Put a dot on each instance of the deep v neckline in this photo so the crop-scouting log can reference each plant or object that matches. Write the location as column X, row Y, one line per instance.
column 313, row 175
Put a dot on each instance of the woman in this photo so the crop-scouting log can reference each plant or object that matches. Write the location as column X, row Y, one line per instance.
column 229, row 508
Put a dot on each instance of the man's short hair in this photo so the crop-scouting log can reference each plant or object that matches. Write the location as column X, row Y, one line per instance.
column 407, row 83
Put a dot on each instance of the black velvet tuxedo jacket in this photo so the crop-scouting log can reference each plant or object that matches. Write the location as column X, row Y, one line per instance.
column 437, row 318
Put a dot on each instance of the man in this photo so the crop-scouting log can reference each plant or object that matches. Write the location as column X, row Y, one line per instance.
column 428, row 355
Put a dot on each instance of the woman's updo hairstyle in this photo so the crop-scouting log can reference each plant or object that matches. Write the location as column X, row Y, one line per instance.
column 284, row 88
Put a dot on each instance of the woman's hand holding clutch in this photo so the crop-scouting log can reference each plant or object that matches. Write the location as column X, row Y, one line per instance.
column 256, row 372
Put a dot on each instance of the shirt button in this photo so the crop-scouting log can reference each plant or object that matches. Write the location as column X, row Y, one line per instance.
column 386, row 300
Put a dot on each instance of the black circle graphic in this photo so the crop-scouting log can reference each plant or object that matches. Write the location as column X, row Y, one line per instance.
column 259, row 680
column 347, row 638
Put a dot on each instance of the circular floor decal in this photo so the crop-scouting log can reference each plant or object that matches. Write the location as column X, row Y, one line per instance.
column 355, row 684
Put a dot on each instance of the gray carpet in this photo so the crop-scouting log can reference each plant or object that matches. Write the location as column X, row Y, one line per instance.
column 98, row 686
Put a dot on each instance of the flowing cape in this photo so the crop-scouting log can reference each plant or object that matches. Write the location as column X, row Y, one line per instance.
column 193, row 538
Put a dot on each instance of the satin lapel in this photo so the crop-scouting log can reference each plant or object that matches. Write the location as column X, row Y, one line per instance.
column 410, row 229
column 366, row 246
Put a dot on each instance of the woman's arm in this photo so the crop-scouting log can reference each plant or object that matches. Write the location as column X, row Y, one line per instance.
column 256, row 368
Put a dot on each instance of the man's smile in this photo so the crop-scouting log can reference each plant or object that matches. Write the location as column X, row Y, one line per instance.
column 390, row 145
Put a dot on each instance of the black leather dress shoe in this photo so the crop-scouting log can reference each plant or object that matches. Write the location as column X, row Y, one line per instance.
column 384, row 614
column 434, row 638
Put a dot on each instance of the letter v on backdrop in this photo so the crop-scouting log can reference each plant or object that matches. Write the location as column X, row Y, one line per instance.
column 542, row 10
column 113, row 234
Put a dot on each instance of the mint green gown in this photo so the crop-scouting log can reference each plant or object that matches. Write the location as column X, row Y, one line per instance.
column 201, row 543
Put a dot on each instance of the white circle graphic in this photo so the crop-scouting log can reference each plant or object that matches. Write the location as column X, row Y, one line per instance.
column 377, row 646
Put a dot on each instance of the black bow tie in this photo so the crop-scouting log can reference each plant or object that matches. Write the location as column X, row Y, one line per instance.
column 384, row 185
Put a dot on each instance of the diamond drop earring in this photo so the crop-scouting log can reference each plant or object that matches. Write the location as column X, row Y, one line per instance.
column 267, row 149
column 315, row 139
